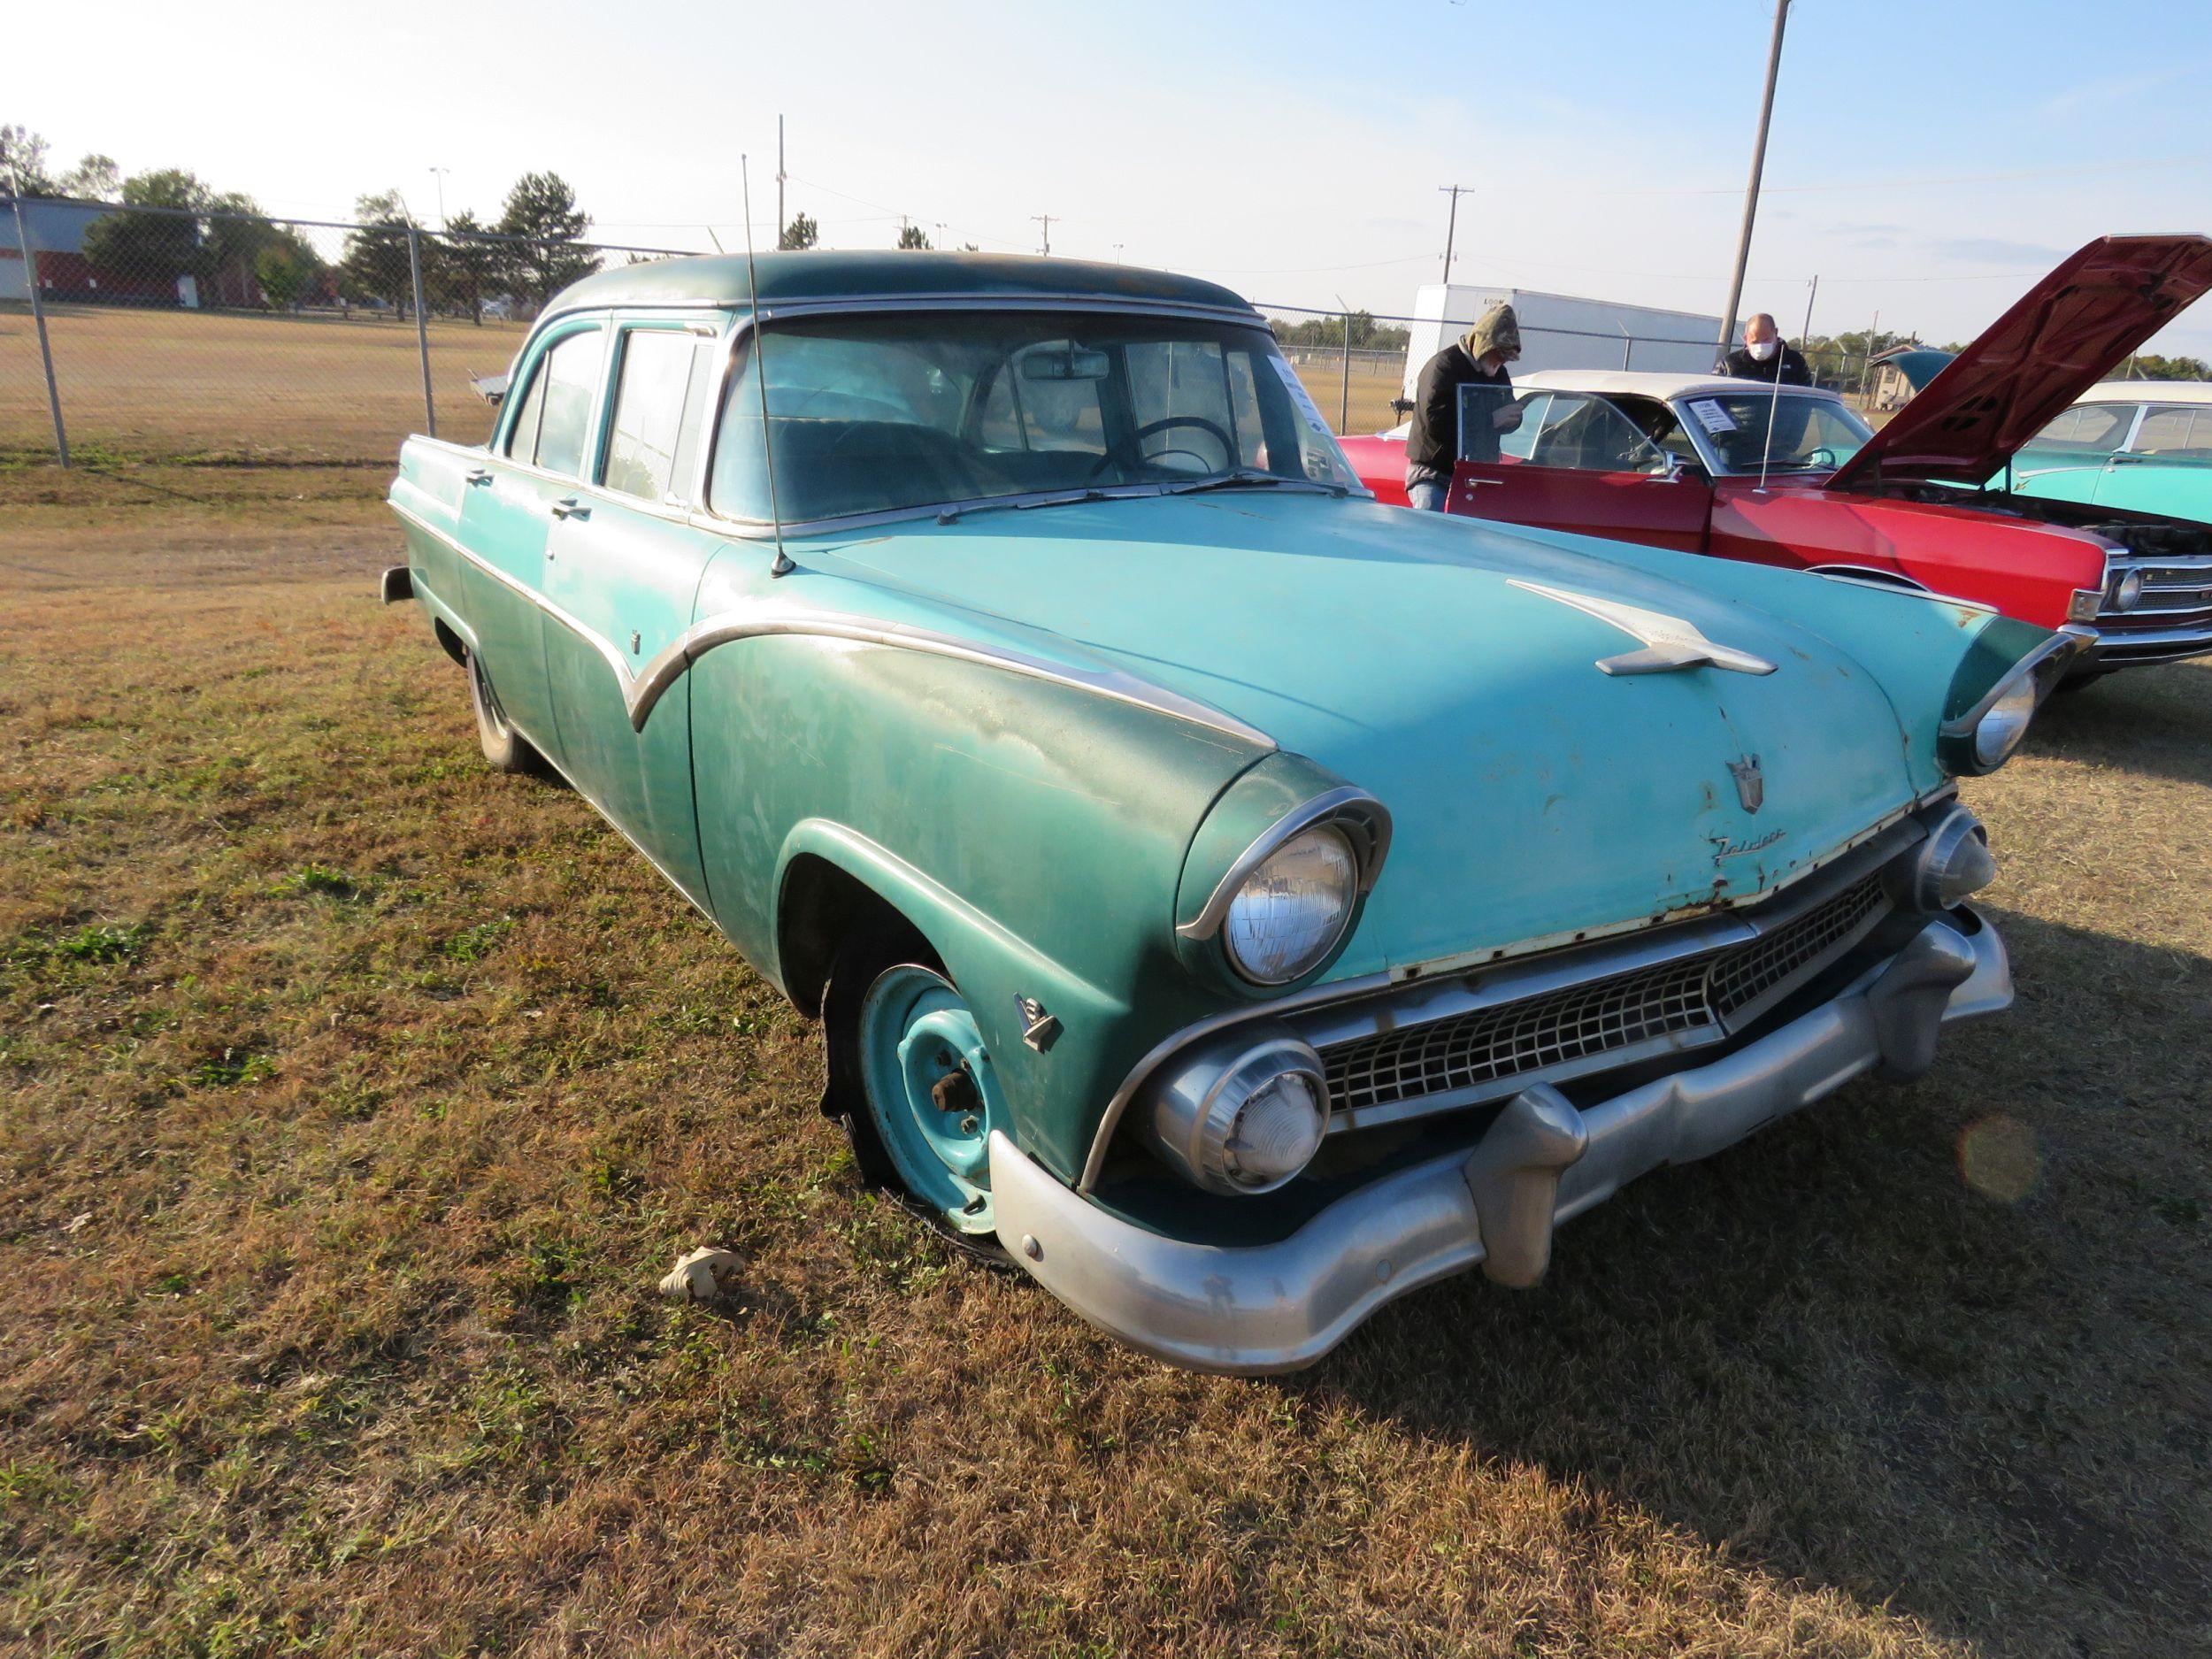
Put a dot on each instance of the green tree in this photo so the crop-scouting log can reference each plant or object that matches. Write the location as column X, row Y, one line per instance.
column 2149, row 367
column 542, row 208
column 802, row 232
column 467, row 264
column 286, row 268
column 23, row 162
column 154, row 247
column 376, row 265
column 94, row 179
column 913, row 236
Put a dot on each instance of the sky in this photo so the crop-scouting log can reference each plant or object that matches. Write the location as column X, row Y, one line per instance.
column 1928, row 162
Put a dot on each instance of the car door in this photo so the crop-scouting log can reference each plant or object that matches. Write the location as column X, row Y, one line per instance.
column 505, row 521
column 2066, row 460
column 622, row 571
column 1577, row 463
column 2167, row 464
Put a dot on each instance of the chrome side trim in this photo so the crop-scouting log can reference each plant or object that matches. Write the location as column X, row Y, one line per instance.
column 1350, row 806
column 1077, row 302
column 1870, row 576
column 768, row 620
column 641, row 690
column 1281, row 1306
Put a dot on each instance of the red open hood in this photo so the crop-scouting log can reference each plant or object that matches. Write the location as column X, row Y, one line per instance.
column 2065, row 334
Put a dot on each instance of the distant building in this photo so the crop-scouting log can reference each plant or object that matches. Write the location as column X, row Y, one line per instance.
column 57, row 232
column 1902, row 371
column 1559, row 331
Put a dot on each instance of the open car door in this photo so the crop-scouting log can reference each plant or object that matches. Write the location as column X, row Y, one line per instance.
column 1576, row 462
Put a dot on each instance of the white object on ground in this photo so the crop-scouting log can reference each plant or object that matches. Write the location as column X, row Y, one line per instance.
column 700, row 1275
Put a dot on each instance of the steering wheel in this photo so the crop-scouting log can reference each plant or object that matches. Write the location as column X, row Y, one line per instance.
column 1153, row 427
column 1822, row 456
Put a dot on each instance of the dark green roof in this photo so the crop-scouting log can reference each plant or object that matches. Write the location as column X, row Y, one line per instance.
column 719, row 280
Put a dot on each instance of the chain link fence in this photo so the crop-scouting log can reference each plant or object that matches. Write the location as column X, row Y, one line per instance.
column 169, row 334
column 176, row 335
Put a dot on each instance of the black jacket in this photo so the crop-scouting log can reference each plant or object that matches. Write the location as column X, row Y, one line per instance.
column 1741, row 364
column 1432, row 437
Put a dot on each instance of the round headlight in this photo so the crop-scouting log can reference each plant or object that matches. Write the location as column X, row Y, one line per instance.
column 1241, row 1113
column 1291, row 911
column 2127, row 592
column 1998, row 733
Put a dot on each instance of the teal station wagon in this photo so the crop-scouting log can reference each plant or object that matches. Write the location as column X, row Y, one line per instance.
column 1238, row 902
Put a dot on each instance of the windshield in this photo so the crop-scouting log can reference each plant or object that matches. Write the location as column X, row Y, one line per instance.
column 892, row 410
column 1810, row 433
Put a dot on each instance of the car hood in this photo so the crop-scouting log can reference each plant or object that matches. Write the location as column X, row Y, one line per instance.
column 1430, row 660
column 2026, row 368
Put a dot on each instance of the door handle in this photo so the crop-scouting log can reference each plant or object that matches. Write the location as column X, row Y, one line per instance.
column 1477, row 483
column 479, row 475
column 566, row 508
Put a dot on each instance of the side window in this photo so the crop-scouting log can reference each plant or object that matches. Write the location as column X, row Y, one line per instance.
column 652, row 399
column 566, row 379
column 522, row 437
column 1535, row 408
column 2086, row 430
column 2183, row 431
column 1587, row 434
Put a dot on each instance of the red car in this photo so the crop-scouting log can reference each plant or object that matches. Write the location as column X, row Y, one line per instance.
column 1792, row 477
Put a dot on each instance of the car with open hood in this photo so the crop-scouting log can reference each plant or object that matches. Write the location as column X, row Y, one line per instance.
column 1238, row 905
column 1791, row 476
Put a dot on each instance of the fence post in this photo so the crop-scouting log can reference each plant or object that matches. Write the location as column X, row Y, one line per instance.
column 422, row 330
column 1344, row 401
column 38, row 321
column 1628, row 349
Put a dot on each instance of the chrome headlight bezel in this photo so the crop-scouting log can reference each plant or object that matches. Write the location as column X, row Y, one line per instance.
column 1984, row 737
column 1192, row 1110
column 2125, row 590
column 1949, row 866
column 1326, row 841
column 1357, row 820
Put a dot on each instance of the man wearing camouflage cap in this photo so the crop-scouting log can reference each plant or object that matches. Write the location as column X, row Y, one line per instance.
column 1435, row 436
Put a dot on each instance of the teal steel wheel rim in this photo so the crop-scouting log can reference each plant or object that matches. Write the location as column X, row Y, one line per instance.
column 932, row 1092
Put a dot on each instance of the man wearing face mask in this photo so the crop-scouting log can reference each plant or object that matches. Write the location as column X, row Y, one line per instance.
column 1764, row 356
column 1478, row 358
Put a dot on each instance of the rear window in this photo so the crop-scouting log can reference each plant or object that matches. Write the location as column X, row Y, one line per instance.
column 554, row 420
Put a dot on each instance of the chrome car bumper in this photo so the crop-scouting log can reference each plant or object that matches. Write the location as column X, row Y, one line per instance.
column 1278, row 1307
column 2140, row 647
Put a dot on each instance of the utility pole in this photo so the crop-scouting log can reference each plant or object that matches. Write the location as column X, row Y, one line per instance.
column 1046, row 220
column 441, row 173
column 1751, row 189
column 1451, row 227
column 779, row 181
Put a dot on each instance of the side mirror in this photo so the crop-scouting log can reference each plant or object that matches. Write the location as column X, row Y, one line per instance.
column 1680, row 469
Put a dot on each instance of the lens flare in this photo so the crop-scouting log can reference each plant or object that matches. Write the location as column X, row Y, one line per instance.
column 1998, row 1158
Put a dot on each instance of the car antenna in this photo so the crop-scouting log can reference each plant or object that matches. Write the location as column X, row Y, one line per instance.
column 783, row 566
column 1774, row 404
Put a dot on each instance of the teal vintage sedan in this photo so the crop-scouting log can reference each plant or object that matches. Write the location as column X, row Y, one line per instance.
column 1239, row 903
column 2145, row 446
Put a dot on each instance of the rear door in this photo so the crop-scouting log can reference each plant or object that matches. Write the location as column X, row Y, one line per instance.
column 535, row 459
column 2167, row 464
column 622, row 569
column 1576, row 462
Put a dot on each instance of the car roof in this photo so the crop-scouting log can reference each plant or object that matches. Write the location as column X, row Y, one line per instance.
column 722, row 281
column 1646, row 383
column 2150, row 392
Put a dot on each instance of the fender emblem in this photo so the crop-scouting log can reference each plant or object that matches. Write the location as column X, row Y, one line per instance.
column 1751, row 784
column 1038, row 1028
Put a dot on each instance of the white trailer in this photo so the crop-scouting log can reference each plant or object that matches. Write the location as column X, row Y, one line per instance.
column 1559, row 331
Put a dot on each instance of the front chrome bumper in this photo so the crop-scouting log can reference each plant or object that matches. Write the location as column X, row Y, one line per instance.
column 2113, row 647
column 1278, row 1307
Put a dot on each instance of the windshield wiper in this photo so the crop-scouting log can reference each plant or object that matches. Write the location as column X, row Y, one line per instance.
column 1061, row 498
column 1249, row 477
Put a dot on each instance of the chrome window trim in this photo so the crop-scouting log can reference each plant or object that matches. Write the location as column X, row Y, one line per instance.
column 1369, row 988
column 510, row 408
column 643, row 688
column 1345, row 805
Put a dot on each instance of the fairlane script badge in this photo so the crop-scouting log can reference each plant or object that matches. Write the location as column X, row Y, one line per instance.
column 1724, row 848
column 1751, row 784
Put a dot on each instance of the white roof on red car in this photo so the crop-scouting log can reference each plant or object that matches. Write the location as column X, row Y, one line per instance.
column 1645, row 383
column 2150, row 392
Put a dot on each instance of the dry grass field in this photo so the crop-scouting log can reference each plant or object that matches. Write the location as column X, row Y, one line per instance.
column 230, row 387
column 354, row 1097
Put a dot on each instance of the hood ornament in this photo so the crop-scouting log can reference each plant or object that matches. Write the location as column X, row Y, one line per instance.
column 1669, row 642
column 1751, row 784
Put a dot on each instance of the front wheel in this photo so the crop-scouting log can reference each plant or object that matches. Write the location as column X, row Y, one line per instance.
column 914, row 1084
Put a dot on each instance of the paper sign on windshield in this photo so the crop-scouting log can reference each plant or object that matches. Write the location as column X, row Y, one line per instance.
column 1711, row 415
column 1300, row 395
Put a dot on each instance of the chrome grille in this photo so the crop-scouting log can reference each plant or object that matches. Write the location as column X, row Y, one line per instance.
column 1584, row 1021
